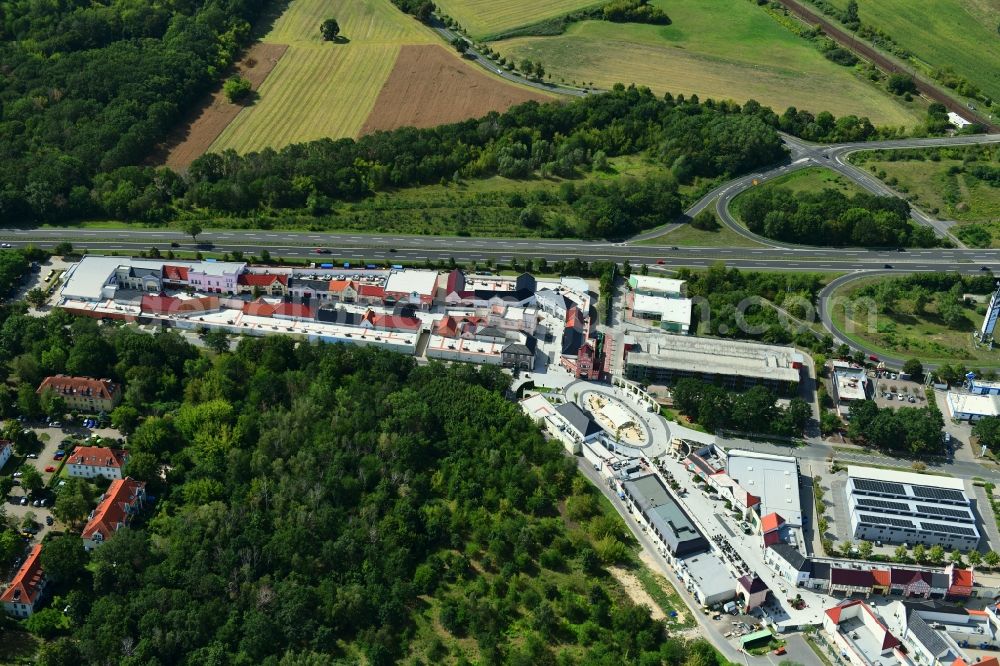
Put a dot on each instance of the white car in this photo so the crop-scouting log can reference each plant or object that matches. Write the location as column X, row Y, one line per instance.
column 17, row 475
column 5, row 245
column 24, row 501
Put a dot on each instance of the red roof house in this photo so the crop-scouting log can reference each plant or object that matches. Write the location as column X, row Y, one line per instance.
column 95, row 461
column 962, row 581
column 25, row 590
column 118, row 505
column 771, row 522
column 175, row 273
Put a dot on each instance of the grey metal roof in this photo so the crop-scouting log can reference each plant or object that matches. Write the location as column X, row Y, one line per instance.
column 927, row 636
column 578, row 419
column 820, row 571
column 791, row 555
column 940, row 581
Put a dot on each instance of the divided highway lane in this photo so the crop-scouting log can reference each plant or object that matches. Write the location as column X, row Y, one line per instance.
column 419, row 248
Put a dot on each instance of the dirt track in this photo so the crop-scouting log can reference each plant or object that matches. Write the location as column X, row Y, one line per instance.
column 429, row 86
column 193, row 136
column 866, row 51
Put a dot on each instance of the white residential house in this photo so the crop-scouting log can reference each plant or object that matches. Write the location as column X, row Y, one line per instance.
column 95, row 461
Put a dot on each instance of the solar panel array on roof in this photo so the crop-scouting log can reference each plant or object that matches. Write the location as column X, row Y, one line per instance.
column 884, row 487
column 939, row 494
column 870, row 503
column 885, row 520
column 942, row 511
column 948, row 529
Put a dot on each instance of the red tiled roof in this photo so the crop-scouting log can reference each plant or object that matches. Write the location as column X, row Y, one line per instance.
column 456, row 281
column 98, row 456
column 851, row 577
column 908, row 577
column 340, row 285
column 261, row 279
column 175, row 273
column 882, row 577
column 771, row 522
column 771, row 538
column 295, row 310
column 259, row 308
column 110, row 513
column 962, row 577
column 397, row 322
column 371, row 290
column 167, row 304
column 97, row 388
column 446, row 326
column 27, row 583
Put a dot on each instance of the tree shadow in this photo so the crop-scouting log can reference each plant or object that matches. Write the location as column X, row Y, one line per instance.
column 340, row 39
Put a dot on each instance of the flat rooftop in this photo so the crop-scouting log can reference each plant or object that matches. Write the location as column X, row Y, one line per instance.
column 715, row 356
column 910, row 478
column 657, row 284
column 670, row 309
column 774, row 479
column 851, row 383
column 86, row 278
column 413, row 282
column 967, row 403
column 710, row 573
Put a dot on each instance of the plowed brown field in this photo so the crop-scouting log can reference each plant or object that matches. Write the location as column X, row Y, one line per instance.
column 192, row 138
column 430, row 86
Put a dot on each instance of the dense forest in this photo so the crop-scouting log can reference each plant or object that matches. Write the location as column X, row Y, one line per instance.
column 745, row 305
column 331, row 504
column 753, row 411
column 831, row 217
column 88, row 88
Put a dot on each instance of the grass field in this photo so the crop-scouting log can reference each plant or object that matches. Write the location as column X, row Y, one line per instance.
column 361, row 21
column 815, row 179
column 958, row 196
column 903, row 334
column 957, row 33
column 301, row 102
column 482, row 18
column 319, row 89
column 724, row 49
column 688, row 236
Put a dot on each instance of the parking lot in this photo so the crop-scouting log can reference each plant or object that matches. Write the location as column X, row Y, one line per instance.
column 50, row 439
column 896, row 393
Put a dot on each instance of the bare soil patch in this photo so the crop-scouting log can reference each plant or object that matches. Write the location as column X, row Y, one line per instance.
column 193, row 136
column 429, row 86
column 636, row 592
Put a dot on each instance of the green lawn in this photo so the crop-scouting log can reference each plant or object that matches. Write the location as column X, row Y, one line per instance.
column 482, row 18
column 724, row 49
column 903, row 334
column 961, row 34
column 688, row 236
column 815, row 179
column 944, row 187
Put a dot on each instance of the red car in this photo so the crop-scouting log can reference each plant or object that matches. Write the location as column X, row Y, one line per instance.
column 872, row 357
column 780, row 651
column 660, row 261
column 321, row 250
column 50, row 468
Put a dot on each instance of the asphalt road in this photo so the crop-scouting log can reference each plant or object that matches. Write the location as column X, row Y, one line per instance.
column 389, row 248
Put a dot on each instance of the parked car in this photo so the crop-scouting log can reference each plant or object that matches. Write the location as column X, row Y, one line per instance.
column 56, row 424
column 50, row 469
column 17, row 475
column 48, row 520
column 32, row 455
column 24, row 501
column 780, row 651
column 872, row 357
